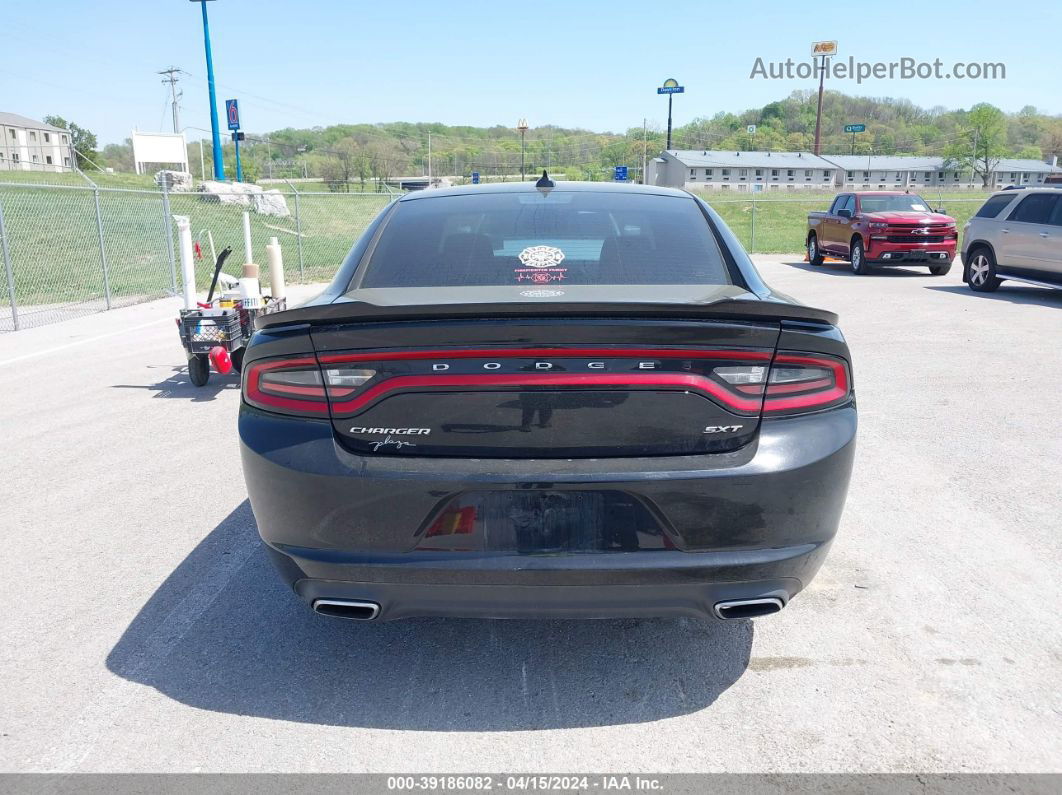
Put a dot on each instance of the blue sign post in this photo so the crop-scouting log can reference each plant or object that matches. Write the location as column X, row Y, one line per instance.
column 475, row 177
column 621, row 174
column 219, row 166
column 232, row 115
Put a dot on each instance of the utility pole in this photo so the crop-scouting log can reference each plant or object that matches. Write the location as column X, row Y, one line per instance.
column 521, row 125
column 170, row 76
column 429, row 160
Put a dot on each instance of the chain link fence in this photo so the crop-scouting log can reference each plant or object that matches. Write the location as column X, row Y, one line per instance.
column 70, row 250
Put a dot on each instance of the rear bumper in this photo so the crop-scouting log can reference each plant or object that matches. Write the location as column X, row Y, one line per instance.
column 756, row 522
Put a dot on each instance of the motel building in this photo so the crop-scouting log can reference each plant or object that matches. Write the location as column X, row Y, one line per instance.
column 29, row 145
column 759, row 172
column 742, row 172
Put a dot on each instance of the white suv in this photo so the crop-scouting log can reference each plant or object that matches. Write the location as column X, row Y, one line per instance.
column 1017, row 234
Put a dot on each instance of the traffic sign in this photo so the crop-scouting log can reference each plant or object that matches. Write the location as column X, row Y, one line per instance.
column 621, row 174
column 232, row 113
column 854, row 128
column 671, row 86
column 751, row 129
column 475, row 177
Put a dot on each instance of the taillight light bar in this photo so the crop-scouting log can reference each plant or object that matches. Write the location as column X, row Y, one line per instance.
column 786, row 383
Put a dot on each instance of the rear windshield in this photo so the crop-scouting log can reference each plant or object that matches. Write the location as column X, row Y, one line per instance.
column 546, row 237
column 881, row 204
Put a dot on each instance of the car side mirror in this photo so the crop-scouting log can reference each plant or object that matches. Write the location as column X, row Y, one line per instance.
column 846, row 213
column 939, row 211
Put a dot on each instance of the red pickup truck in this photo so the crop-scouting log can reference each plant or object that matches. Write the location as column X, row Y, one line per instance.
column 882, row 228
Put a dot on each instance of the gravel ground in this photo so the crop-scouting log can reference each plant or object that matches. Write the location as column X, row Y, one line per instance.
column 145, row 631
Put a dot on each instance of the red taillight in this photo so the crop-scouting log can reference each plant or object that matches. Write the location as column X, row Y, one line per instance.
column 796, row 382
column 297, row 386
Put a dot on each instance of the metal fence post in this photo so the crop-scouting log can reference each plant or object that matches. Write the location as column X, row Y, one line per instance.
column 167, row 221
column 103, row 250
column 298, row 231
column 752, row 243
column 10, row 273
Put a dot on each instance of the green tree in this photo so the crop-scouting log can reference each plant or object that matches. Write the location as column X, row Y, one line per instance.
column 983, row 144
column 84, row 141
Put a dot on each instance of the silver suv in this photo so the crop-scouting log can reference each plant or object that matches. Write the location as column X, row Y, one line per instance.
column 1017, row 234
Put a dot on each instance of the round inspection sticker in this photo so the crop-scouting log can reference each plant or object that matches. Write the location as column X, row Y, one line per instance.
column 541, row 257
column 542, row 293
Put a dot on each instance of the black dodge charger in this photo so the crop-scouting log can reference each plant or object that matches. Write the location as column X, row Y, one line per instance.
column 551, row 399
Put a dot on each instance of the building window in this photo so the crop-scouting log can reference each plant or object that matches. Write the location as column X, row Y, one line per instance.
column 14, row 157
column 1013, row 176
column 826, row 175
column 866, row 176
column 774, row 173
column 759, row 172
column 708, row 173
column 35, row 158
column 899, row 176
column 743, row 173
column 850, row 176
column 940, row 175
column 726, row 172
column 33, row 135
column 807, row 174
column 66, row 161
column 693, row 173
column 64, row 138
column 48, row 159
column 47, row 138
column 11, row 133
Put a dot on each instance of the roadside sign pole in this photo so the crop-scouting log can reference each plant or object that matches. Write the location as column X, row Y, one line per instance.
column 232, row 116
column 239, row 166
column 669, row 98
column 818, row 113
column 219, row 167
column 670, row 87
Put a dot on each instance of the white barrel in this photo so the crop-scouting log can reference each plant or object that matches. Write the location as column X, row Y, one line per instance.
column 276, row 269
column 184, row 237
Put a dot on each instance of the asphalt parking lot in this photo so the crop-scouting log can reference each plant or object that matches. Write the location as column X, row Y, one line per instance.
column 145, row 631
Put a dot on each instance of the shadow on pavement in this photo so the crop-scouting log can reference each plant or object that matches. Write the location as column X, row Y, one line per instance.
column 179, row 386
column 1015, row 294
column 223, row 633
column 844, row 269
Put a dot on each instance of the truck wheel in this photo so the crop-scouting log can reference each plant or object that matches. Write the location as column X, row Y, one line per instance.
column 859, row 258
column 940, row 270
column 815, row 256
column 199, row 369
column 981, row 271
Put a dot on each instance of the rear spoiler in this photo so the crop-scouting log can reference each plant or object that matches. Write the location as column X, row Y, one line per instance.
column 726, row 309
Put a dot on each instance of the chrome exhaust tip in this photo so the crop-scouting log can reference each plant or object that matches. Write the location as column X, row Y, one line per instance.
column 748, row 608
column 346, row 608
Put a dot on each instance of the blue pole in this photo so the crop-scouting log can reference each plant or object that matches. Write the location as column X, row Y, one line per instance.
column 239, row 168
column 219, row 165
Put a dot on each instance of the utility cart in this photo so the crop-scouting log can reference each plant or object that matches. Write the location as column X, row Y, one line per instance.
column 215, row 335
